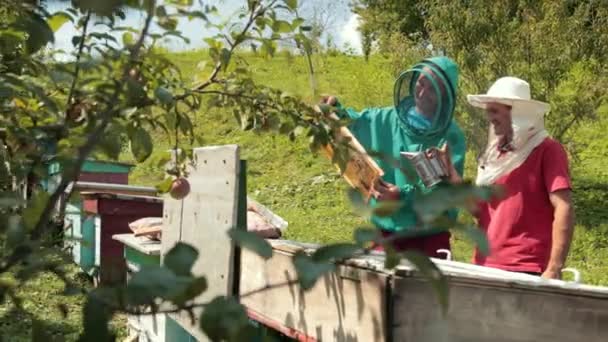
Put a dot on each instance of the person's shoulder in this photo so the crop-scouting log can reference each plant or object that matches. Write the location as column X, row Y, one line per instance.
column 552, row 150
column 454, row 132
column 552, row 145
column 454, row 128
column 379, row 112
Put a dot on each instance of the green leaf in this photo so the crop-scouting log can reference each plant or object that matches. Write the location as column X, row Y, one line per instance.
column 334, row 252
column 60, row 77
column 251, row 4
column 185, row 125
column 296, row 23
column 156, row 282
column 359, row 205
column 34, row 209
column 161, row 11
column 164, row 95
column 170, row 119
column 251, row 241
column 431, row 272
column 386, row 208
column 164, row 186
column 163, row 160
column 153, row 282
column 281, row 26
column 127, row 38
column 286, row 128
column 180, row 259
column 225, row 57
column 141, row 144
column 57, row 20
column 223, row 319
column 365, row 235
column 110, row 144
column 309, row 271
column 478, row 237
column 106, row 7
column 268, row 48
column 38, row 31
column 292, row 4
column 432, row 205
column 392, row 258
column 192, row 290
column 96, row 319
column 168, row 23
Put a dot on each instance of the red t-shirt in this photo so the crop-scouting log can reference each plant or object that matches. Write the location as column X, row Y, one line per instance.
column 519, row 225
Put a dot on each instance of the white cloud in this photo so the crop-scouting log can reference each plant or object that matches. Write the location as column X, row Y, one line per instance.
column 349, row 34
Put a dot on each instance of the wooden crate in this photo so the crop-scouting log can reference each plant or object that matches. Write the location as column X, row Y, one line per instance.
column 364, row 302
column 486, row 305
column 79, row 226
column 347, row 305
column 108, row 215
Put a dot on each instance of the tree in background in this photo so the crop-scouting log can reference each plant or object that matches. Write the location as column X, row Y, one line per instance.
column 322, row 16
column 558, row 46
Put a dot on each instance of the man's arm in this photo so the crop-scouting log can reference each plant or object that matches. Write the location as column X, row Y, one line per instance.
column 563, row 227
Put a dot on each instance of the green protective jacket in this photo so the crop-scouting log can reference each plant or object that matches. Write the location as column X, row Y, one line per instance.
column 388, row 132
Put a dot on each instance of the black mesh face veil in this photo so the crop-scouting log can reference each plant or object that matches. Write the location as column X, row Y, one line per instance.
column 425, row 90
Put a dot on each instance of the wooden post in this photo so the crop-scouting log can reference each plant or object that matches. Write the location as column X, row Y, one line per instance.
column 202, row 219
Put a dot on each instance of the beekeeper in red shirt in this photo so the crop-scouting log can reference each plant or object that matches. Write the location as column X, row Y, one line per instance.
column 529, row 228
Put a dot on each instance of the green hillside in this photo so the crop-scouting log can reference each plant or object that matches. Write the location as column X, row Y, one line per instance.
column 305, row 189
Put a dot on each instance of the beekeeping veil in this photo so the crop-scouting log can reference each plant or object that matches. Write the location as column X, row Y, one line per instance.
column 425, row 97
column 527, row 118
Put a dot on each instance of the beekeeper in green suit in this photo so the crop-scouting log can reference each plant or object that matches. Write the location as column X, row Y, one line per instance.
column 421, row 118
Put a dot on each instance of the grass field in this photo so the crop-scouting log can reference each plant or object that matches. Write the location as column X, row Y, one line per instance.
column 44, row 298
column 305, row 189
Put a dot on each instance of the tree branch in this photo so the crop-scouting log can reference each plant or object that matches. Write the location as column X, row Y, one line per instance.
column 253, row 15
column 243, row 96
column 78, row 56
column 566, row 127
column 268, row 287
column 95, row 137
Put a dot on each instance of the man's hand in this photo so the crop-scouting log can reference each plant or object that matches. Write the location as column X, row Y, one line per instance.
column 445, row 157
column 552, row 274
column 383, row 191
column 329, row 100
column 561, row 236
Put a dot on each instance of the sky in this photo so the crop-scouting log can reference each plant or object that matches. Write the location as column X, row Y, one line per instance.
column 343, row 28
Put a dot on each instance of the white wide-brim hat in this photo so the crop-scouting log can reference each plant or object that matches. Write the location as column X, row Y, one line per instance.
column 510, row 91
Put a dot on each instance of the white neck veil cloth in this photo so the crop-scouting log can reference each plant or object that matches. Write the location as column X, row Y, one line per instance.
column 527, row 117
column 528, row 132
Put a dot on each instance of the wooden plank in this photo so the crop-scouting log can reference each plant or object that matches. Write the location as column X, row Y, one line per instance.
column 203, row 218
column 148, row 231
column 491, row 277
column 348, row 305
column 483, row 313
column 144, row 245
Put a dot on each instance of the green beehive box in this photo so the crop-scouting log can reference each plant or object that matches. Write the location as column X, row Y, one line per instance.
column 97, row 171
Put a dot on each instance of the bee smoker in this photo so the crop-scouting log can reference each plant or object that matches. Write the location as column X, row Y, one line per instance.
column 429, row 167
